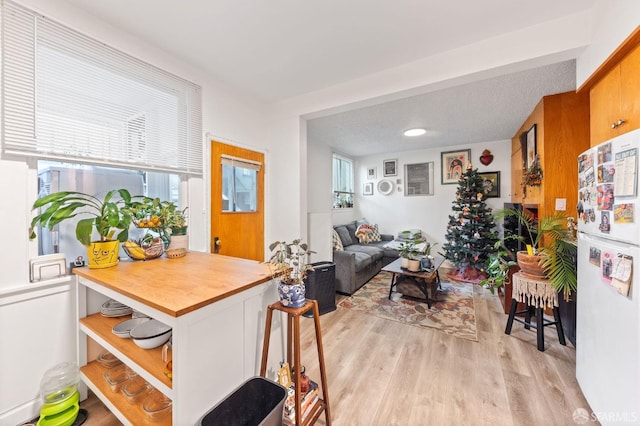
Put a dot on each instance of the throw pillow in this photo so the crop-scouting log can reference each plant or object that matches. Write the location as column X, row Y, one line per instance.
column 363, row 235
column 336, row 242
column 375, row 234
column 368, row 234
column 343, row 233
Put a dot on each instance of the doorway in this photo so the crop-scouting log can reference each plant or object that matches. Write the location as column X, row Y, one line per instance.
column 237, row 201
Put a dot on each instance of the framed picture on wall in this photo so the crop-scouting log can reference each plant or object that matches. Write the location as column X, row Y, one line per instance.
column 371, row 173
column 490, row 184
column 531, row 145
column 367, row 188
column 453, row 165
column 390, row 167
column 418, row 179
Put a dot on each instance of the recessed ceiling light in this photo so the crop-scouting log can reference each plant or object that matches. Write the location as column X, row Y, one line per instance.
column 415, row 132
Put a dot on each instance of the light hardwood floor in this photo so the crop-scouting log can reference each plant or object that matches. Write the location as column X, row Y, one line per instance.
column 382, row 372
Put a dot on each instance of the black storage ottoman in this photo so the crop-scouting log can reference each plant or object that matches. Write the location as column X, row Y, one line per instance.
column 321, row 286
column 258, row 401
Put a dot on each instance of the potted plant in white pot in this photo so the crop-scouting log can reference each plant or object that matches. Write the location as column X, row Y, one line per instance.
column 175, row 223
column 291, row 262
column 406, row 250
column 106, row 217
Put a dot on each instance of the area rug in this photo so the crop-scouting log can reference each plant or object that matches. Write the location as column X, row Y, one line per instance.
column 453, row 313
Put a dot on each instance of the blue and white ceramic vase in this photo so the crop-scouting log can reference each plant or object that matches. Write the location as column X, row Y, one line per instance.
column 291, row 295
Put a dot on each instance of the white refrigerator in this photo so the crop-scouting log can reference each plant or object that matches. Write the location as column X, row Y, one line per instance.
column 608, row 302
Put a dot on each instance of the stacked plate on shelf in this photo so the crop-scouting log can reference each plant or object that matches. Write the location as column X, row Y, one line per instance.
column 113, row 308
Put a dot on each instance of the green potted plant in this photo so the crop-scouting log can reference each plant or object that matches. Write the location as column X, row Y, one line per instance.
column 552, row 249
column 175, row 223
column 175, row 220
column 106, row 217
column 291, row 263
column 427, row 255
column 407, row 251
column 498, row 265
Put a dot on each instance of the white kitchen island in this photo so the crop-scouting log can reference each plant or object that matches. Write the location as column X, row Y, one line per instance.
column 216, row 306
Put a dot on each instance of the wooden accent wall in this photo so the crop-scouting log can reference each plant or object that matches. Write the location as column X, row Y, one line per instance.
column 562, row 133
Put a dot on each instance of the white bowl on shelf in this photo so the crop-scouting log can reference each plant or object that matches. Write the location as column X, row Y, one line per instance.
column 150, row 334
column 123, row 329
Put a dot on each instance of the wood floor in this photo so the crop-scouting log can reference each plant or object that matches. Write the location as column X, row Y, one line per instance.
column 382, row 372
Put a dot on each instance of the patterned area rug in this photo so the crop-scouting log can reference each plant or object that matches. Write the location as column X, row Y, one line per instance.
column 453, row 313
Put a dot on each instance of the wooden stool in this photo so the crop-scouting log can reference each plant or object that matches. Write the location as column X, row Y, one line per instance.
column 293, row 345
column 536, row 294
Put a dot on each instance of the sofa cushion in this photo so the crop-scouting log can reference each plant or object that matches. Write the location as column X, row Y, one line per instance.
column 336, row 242
column 363, row 260
column 372, row 251
column 343, row 233
column 352, row 228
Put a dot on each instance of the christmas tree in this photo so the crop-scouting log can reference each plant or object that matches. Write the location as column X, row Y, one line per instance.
column 470, row 232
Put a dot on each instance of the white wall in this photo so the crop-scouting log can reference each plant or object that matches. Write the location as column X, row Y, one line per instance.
column 396, row 212
column 227, row 115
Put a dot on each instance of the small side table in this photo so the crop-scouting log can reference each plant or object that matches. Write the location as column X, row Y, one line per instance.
column 293, row 348
column 537, row 294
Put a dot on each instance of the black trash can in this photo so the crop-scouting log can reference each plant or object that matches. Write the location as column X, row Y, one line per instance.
column 321, row 286
column 258, row 401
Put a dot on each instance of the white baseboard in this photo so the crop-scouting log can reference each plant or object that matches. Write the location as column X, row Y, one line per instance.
column 21, row 414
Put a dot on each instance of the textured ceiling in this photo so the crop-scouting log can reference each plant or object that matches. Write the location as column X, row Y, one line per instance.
column 483, row 111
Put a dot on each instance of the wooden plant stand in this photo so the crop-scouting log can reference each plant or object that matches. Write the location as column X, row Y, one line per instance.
column 293, row 348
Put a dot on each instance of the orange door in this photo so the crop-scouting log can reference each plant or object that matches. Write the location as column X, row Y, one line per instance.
column 237, row 201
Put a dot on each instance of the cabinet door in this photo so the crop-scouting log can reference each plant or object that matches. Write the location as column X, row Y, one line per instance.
column 630, row 91
column 605, row 106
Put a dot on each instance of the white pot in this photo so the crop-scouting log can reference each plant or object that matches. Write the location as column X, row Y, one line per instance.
column 414, row 265
column 405, row 263
column 179, row 241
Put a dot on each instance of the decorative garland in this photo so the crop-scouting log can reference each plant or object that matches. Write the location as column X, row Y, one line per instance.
column 533, row 175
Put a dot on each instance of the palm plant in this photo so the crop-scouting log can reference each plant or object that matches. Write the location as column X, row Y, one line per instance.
column 554, row 242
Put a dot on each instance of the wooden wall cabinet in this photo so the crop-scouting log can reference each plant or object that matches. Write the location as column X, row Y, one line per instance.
column 517, row 166
column 615, row 100
column 562, row 133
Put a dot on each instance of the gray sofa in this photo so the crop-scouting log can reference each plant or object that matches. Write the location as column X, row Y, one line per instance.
column 358, row 263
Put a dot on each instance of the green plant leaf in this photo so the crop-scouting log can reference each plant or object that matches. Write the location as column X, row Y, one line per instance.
column 83, row 231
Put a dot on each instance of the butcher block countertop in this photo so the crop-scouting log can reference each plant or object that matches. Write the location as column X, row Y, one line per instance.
column 179, row 286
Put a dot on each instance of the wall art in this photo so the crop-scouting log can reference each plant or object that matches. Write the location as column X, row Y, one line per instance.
column 418, row 179
column 491, row 184
column 390, row 167
column 453, row 165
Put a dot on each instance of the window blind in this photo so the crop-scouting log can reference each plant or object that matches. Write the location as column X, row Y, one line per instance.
column 66, row 96
column 228, row 160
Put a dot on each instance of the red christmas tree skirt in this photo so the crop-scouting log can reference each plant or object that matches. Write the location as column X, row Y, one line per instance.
column 467, row 274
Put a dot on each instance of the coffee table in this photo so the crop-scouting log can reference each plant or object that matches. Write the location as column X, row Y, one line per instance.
column 418, row 283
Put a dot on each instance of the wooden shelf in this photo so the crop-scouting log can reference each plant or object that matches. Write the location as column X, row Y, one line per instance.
column 99, row 328
column 93, row 376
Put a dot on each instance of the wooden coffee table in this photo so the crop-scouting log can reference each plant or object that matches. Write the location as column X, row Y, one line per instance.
column 418, row 284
